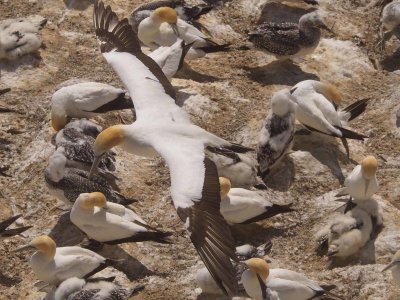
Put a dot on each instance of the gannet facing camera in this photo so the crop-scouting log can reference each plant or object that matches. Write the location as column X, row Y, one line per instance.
column 394, row 266
column 241, row 206
column 277, row 132
column 55, row 264
column 163, row 28
column 111, row 223
column 19, row 37
column 289, row 40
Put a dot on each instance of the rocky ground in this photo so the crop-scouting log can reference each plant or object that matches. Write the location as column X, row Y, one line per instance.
column 229, row 95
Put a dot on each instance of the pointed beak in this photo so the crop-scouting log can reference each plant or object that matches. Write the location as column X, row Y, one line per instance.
column 93, row 169
column 366, row 187
column 24, row 248
column 391, row 265
column 175, row 29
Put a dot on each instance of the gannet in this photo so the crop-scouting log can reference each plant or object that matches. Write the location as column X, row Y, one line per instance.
column 111, row 223
column 84, row 126
column 19, row 37
column 262, row 283
column 78, row 289
column 7, row 232
column 394, row 266
column 345, row 235
column 4, row 91
column 390, row 20
column 55, row 264
column 185, row 12
column 289, row 40
column 361, row 184
column 86, row 100
column 164, row 128
column 67, row 184
column 277, row 132
column 163, row 28
column 317, row 113
column 241, row 206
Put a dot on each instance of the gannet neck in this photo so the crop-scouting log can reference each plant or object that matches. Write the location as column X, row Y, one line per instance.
column 225, row 186
column 45, row 245
column 109, row 138
column 258, row 266
column 369, row 165
column 329, row 91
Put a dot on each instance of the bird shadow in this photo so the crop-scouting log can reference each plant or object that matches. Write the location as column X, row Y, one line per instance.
column 186, row 72
column 278, row 13
column 125, row 263
column 282, row 177
column 255, row 233
column 65, row 233
column 392, row 62
column 279, row 72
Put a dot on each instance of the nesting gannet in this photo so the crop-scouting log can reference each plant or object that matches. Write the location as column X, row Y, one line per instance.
column 6, row 232
column 55, row 264
column 361, row 184
column 163, row 28
column 19, row 37
column 241, row 206
column 277, row 132
column 184, row 11
column 262, row 283
column 164, row 128
column 3, row 91
column 111, row 223
column 317, row 113
column 394, row 266
column 289, row 40
column 79, row 289
column 67, row 184
column 390, row 20
column 86, row 100
column 345, row 235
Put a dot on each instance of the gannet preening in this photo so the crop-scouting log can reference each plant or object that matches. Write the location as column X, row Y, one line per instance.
column 164, row 128
column 171, row 59
column 6, row 232
column 67, row 184
column 345, row 235
column 262, row 283
column 55, row 264
column 163, row 28
column 241, row 206
column 289, row 40
column 185, row 12
column 19, row 37
column 4, row 91
column 277, row 132
column 394, row 266
column 86, row 100
column 317, row 113
column 79, row 289
column 390, row 20
column 111, row 223
column 361, row 184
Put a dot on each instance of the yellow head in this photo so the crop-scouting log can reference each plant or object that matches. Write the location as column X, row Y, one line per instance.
column 330, row 92
column 165, row 14
column 225, row 186
column 369, row 165
column 90, row 200
column 45, row 245
column 108, row 138
column 58, row 120
column 258, row 266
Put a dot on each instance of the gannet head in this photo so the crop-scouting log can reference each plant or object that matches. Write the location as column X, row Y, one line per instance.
column 56, row 166
column 58, row 119
column 329, row 91
column 314, row 19
column 107, row 139
column 90, row 200
column 166, row 14
column 225, row 186
column 44, row 244
column 394, row 263
column 258, row 266
column 282, row 103
column 369, row 165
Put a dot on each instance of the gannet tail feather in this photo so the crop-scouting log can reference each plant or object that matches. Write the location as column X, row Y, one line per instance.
column 346, row 133
column 8, row 222
column 357, row 108
column 156, row 236
column 273, row 210
column 14, row 231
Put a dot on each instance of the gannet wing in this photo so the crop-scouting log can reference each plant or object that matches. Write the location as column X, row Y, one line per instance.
column 152, row 93
column 196, row 195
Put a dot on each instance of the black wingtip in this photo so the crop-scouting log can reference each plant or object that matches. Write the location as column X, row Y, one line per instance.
column 346, row 133
column 357, row 108
column 4, row 224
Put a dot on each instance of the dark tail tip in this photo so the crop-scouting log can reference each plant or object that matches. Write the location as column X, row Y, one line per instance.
column 216, row 48
column 127, row 201
column 357, row 108
column 346, row 133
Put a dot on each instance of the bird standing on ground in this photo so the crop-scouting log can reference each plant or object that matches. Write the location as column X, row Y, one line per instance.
column 164, row 128
column 163, row 28
column 6, row 232
column 289, row 40
column 55, row 264
column 394, row 266
column 277, row 132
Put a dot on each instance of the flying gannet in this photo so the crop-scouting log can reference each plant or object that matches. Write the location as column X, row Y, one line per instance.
column 163, row 28
column 277, row 132
column 164, row 128
column 55, row 264
column 111, row 223
column 316, row 111
column 289, row 40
